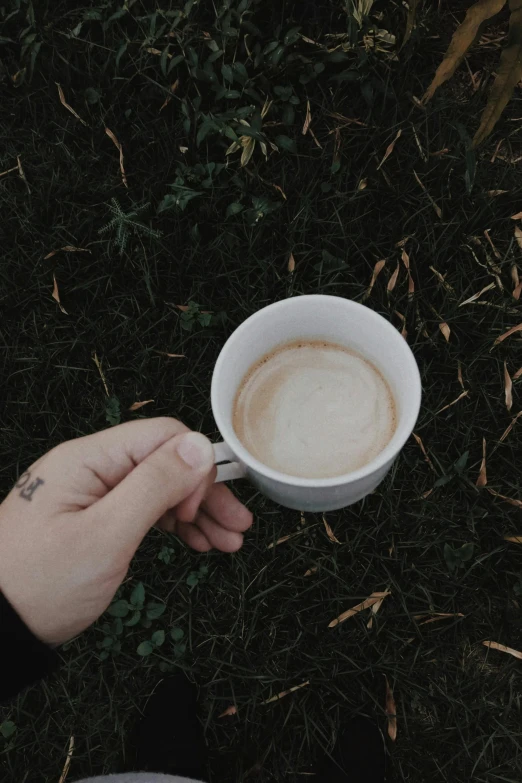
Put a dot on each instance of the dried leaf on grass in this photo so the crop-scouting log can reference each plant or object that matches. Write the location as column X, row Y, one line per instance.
column 392, row 282
column 513, row 539
column 372, row 599
column 517, row 374
column 516, row 282
column 374, row 609
column 21, row 173
column 518, row 216
column 438, row 210
column 137, row 405
column 459, row 375
column 288, row 537
column 68, row 758
column 435, row 617
column 291, row 263
column 463, row 38
column 518, row 236
column 232, row 710
column 464, row 394
column 310, row 571
column 410, row 21
column 404, row 332
column 377, row 269
column 482, row 476
column 477, row 295
column 8, row 171
column 56, row 295
column 118, row 146
column 173, row 88
column 513, row 330
column 391, row 712
column 509, row 72
column 286, row 693
column 66, row 249
column 508, row 388
column 390, row 148
column 171, row 355
column 443, row 280
column 446, row 331
column 308, row 119
column 492, row 245
column 513, row 422
column 248, row 143
column 406, row 261
column 67, row 106
column 329, row 532
column 511, row 501
column 102, row 376
column 422, row 448
column 504, row 649
column 495, row 193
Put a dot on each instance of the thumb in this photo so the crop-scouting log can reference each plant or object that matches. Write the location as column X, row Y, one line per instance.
column 162, row 480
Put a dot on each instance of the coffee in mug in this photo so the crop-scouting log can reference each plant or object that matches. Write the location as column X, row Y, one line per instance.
column 314, row 409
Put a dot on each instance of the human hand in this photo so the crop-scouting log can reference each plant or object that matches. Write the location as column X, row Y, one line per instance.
column 72, row 523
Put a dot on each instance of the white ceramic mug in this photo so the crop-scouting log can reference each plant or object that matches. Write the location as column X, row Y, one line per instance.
column 314, row 317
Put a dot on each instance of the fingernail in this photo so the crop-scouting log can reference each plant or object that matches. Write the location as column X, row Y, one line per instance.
column 195, row 450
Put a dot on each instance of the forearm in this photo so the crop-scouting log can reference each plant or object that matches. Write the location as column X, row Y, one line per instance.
column 25, row 659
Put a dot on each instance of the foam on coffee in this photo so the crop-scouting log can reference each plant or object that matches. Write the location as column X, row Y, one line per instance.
column 314, row 409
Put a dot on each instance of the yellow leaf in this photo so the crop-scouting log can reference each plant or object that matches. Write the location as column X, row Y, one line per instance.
column 508, row 75
column 410, row 21
column 464, row 36
column 513, row 539
column 248, row 144
column 518, row 236
column 291, row 263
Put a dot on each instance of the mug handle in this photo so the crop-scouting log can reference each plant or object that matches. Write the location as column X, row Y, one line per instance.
column 231, row 469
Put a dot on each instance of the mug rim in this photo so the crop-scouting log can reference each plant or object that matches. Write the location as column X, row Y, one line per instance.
column 389, row 452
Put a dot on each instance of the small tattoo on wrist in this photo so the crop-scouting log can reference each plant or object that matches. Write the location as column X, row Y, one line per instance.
column 27, row 486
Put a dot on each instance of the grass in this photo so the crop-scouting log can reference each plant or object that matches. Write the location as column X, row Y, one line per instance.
column 255, row 624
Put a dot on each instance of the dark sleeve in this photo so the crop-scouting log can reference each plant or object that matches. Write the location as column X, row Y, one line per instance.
column 25, row 659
